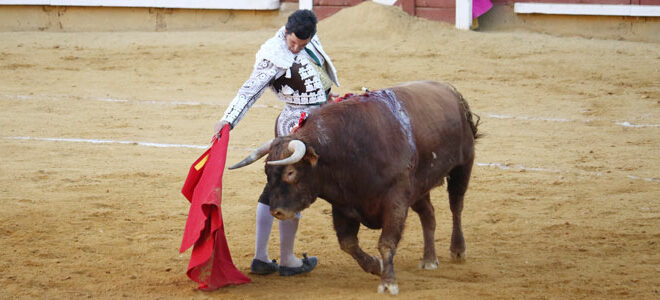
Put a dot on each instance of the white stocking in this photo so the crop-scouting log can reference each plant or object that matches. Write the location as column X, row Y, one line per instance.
column 264, row 226
column 288, row 230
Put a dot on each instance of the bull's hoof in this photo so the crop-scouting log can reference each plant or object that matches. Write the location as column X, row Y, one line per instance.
column 393, row 288
column 457, row 257
column 429, row 265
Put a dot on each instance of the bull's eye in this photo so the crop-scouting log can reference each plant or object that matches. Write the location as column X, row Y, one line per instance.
column 289, row 175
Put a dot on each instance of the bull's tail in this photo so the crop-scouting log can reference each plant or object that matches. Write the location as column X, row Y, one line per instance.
column 469, row 115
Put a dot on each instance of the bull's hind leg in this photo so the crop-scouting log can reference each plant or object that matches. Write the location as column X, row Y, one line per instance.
column 457, row 184
column 347, row 234
column 424, row 209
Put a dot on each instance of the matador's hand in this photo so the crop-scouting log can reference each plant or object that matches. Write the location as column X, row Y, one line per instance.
column 218, row 126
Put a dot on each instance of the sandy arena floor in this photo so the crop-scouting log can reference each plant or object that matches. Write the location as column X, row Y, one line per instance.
column 563, row 204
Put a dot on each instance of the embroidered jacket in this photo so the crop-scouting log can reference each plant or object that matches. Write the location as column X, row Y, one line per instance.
column 293, row 77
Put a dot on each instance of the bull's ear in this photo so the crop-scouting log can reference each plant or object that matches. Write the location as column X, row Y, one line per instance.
column 311, row 156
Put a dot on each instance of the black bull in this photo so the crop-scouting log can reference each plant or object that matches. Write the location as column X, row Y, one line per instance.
column 372, row 157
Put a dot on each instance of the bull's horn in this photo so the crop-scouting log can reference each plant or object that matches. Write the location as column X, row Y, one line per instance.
column 256, row 154
column 298, row 148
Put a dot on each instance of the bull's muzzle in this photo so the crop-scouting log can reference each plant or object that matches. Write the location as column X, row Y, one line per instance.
column 282, row 214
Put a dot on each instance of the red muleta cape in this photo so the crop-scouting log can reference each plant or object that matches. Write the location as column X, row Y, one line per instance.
column 210, row 263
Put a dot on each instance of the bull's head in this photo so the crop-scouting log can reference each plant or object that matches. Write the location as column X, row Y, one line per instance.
column 290, row 164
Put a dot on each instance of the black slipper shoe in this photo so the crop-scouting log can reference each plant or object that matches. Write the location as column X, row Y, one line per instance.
column 263, row 268
column 309, row 263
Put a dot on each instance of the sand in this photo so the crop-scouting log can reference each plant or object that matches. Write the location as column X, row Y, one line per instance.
column 563, row 202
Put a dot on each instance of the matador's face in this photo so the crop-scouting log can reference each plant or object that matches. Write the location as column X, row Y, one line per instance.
column 294, row 43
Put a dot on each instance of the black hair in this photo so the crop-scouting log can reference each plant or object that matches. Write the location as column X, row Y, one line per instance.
column 302, row 22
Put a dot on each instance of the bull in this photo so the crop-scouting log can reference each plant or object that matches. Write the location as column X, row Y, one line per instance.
column 373, row 156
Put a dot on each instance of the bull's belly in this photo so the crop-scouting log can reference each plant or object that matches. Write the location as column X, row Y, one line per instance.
column 370, row 219
column 371, row 224
column 429, row 177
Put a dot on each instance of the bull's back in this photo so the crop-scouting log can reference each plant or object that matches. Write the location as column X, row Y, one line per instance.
column 442, row 133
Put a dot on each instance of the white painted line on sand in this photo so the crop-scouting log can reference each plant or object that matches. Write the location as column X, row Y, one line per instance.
column 498, row 116
column 96, row 141
column 644, row 178
column 111, row 100
column 501, row 166
column 504, row 166
column 114, row 100
column 628, row 124
column 527, row 118
column 197, row 103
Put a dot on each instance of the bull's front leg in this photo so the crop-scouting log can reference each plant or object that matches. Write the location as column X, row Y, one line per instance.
column 393, row 218
column 347, row 234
